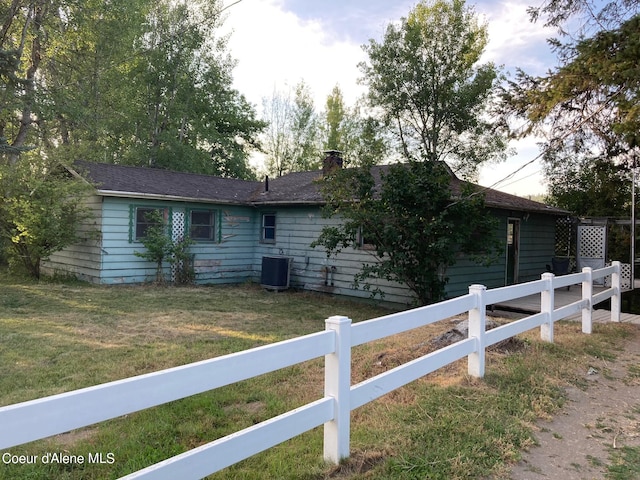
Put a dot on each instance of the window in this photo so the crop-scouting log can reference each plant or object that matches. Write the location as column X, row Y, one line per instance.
column 269, row 227
column 363, row 241
column 144, row 220
column 202, row 225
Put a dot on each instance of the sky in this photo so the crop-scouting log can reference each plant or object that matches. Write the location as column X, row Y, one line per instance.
column 278, row 43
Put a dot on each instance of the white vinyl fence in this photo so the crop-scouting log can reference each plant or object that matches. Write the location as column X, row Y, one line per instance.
column 37, row 419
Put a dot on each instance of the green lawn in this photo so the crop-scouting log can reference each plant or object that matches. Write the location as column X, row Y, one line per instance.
column 56, row 337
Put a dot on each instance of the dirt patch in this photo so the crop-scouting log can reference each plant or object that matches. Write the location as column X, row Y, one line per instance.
column 599, row 418
column 72, row 438
column 432, row 338
column 358, row 463
column 250, row 408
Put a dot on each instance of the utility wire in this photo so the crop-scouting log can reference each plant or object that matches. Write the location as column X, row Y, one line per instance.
column 515, row 172
column 521, row 178
column 537, row 157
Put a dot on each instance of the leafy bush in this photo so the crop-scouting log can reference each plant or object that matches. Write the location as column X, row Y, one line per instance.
column 157, row 243
column 182, row 259
column 40, row 210
column 159, row 246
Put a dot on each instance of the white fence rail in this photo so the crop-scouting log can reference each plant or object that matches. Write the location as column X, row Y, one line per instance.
column 41, row 418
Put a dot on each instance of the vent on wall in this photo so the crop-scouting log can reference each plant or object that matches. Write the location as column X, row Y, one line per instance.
column 275, row 273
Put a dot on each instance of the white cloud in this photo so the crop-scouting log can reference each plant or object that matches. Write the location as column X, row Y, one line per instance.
column 276, row 49
column 527, row 181
column 515, row 41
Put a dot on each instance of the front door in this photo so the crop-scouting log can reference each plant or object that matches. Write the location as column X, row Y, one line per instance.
column 513, row 248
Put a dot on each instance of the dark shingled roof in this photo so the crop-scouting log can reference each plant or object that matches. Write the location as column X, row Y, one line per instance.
column 301, row 188
column 297, row 188
column 121, row 180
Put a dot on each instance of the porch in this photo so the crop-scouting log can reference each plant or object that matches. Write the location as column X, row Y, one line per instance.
column 562, row 296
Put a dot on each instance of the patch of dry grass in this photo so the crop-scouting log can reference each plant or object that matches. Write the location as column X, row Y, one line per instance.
column 57, row 337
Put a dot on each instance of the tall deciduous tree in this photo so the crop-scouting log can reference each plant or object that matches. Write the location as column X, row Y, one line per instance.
column 292, row 138
column 425, row 78
column 139, row 82
column 306, row 129
column 361, row 138
column 277, row 142
column 28, row 29
column 88, row 90
column 335, row 120
column 191, row 118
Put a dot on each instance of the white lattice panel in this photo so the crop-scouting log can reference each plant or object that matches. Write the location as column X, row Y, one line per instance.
column 592, row 241
column 178, row 225
column 592, row 247
column 177, row 232
column 625, row 277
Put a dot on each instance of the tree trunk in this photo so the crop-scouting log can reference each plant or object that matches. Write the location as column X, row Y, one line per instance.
column 26, row 122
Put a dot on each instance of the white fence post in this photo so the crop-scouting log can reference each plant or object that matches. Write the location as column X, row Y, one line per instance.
column 547, row 305
column 477, row 328
column 587, row 295
column 616, row 284
column 337, row 384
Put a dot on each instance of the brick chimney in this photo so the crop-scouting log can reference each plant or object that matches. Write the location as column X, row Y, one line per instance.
column 331, row 162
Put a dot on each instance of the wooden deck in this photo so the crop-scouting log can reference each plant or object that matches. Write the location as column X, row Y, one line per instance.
column 531, row 304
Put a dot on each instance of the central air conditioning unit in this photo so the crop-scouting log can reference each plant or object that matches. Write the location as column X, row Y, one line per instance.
column 276, row 272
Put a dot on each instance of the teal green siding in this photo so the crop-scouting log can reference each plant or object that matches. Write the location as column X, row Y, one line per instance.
column 235, row 254
column 537, row 238
column 119, row 263
column 537, row 245
column 226, row 259
column 83, row 259
column 230, row 258
column 296, row 229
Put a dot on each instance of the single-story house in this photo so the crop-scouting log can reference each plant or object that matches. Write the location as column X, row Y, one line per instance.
column 241, row 228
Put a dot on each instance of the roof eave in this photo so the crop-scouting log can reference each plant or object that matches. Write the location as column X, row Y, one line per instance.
column 548, row 210
column 288, row 203
column 174, row 198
